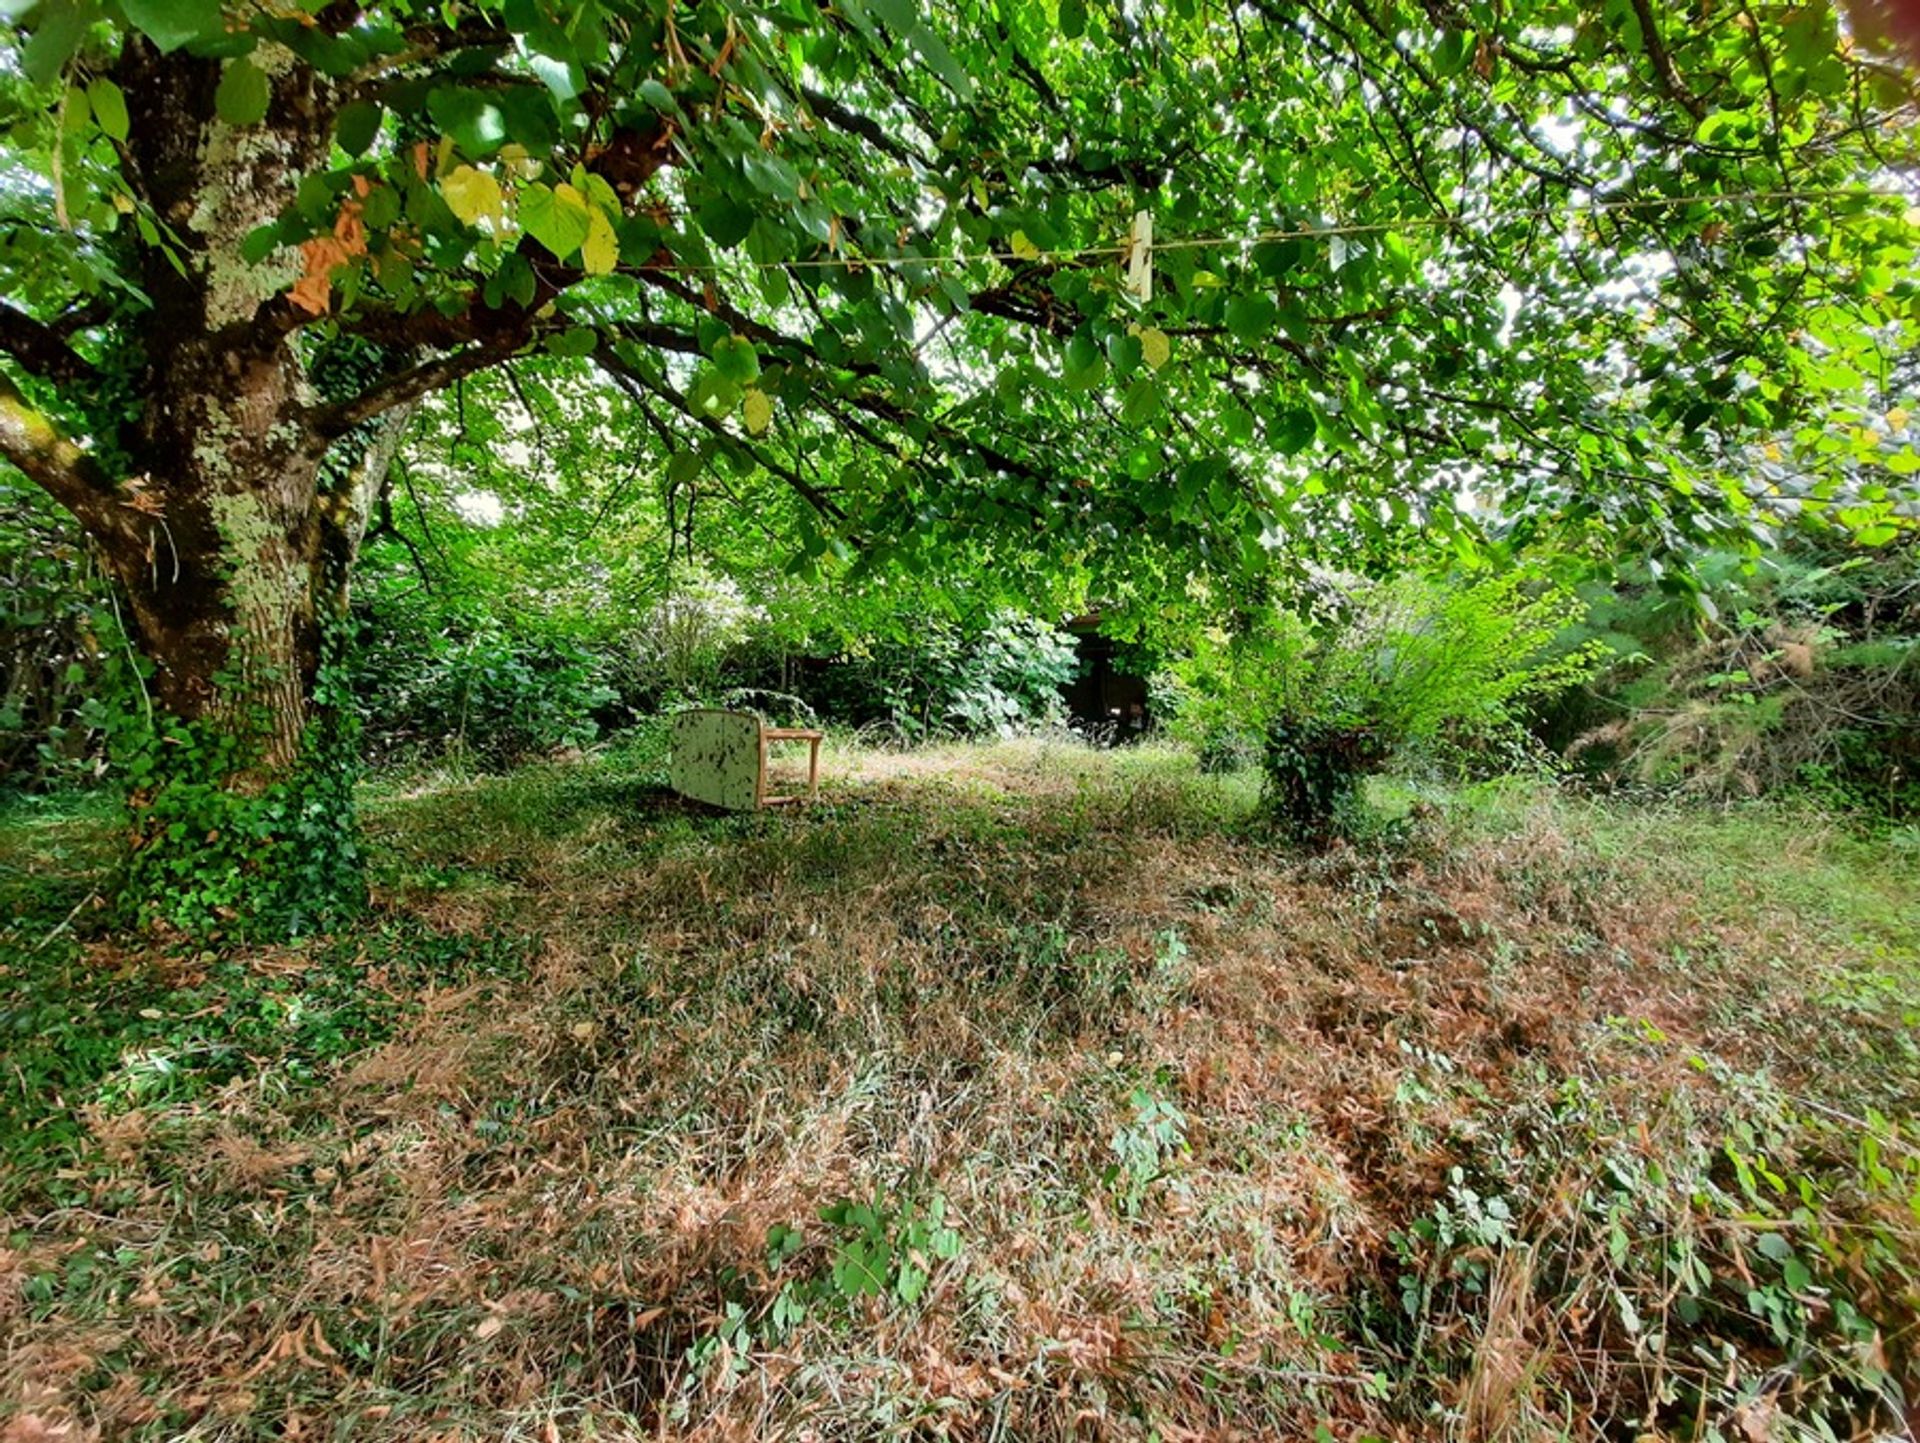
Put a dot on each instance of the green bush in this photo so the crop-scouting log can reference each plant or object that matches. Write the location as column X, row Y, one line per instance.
column 1331, row 696
column 939, row 678
column 1801, row 673
column 477, row 692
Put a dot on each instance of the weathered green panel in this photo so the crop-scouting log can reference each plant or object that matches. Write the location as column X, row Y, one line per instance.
column 716, row 758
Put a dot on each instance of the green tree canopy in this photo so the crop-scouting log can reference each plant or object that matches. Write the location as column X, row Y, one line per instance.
column 1450, row 269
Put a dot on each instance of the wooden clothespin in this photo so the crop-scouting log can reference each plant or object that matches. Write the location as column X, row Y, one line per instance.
column 1140, row 257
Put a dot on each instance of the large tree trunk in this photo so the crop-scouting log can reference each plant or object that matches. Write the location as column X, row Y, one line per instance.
column 222, row 504
column 238, row 538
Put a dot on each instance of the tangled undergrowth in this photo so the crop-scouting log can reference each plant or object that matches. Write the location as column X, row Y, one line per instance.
column 1008, row 1093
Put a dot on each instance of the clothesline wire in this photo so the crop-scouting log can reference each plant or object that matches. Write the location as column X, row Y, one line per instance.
column 1311, row 232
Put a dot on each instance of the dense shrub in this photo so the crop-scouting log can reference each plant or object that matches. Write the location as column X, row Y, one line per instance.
column 939, row 678
column 1803, row 675
column 687, row 643
column 1450, row 665
column 475, row 692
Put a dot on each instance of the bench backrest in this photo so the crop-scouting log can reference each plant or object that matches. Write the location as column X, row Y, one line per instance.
column 716, row 758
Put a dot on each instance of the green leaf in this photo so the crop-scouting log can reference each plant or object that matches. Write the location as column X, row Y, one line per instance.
column 109, row 107
column 260, row 243
column 1141, row 402
column 1292, row 431
column 574, row 341
column 736, row 359
column 471, row 117
column 79, row 112
column 712, row 394
column 61, row 24
column 169, row 24
column 903, row 19
column 243, row 95
column 757, row 412
column 357, row 126
column 683, row 466
column 724, row 220
column 1251, row 318
column 557, row 217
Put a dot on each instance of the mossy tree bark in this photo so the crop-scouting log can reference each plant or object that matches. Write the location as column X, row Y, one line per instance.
column 226, row 513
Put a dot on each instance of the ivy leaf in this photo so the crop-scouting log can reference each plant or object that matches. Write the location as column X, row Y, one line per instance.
column 243, row 94
column 260, row 243
column 557, row 217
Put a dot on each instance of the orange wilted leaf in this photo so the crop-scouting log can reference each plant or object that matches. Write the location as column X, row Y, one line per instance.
column 349, row 230
column 312, row 292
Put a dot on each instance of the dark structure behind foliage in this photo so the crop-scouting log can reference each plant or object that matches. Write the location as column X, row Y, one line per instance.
column 1107, row 699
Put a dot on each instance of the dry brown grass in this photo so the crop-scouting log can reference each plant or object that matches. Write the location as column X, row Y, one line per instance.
column 545, row 1211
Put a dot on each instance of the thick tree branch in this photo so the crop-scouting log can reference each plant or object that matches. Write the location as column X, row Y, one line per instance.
column 64, row 471
column 41, row 349
column 865, row 127
column 329, row 422
column 1664, row 70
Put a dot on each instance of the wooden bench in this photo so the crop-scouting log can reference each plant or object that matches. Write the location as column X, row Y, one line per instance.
column 720, row 757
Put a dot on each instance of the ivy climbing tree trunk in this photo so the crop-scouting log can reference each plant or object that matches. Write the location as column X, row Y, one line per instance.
column 227, row 517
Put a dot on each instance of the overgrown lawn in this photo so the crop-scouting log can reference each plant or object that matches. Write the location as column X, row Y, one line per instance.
column 1010, row 1092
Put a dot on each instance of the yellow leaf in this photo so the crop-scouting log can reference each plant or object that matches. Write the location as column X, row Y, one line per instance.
column 471, row 194
column 600, row 252
column 1025, row 249
column 1155, row 348
column 1897, row 418
column 1771, row 451
column 757, row 411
